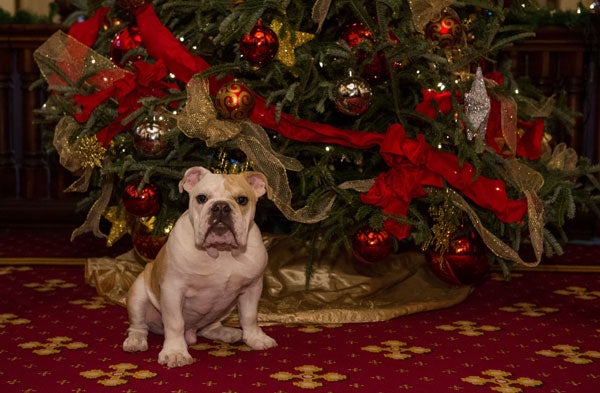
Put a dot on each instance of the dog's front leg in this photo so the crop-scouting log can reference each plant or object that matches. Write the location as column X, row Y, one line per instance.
column 174, row 352
column 253, row 335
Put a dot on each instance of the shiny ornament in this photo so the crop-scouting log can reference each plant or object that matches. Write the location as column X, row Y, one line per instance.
column 143, row 203
column 145, row 244
column 125, row 40
column 234, row 101
column 358, row 33
column 260, row 45
column 151, row 139
column 446, row 31
column 352, row 96
column 464, row 263
column 477, row 107
column 371, row 246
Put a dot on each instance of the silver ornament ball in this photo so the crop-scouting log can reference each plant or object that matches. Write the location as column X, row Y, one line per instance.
column 352, row 96
column 151, row 139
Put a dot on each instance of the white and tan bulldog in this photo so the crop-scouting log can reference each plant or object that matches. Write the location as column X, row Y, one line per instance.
column 213, row 260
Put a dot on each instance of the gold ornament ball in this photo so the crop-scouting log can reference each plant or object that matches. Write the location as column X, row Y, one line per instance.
column 234, row 101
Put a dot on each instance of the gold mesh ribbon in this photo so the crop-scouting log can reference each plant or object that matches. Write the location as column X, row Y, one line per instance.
column 64, row 61
column 80, row 156
column 529, row 182
column 92, row 220
column 319, row 12
column 199, row 120
column 563, row 158
column 112, row 277
column 424, row 11
column 508, row 123
column 401, row 285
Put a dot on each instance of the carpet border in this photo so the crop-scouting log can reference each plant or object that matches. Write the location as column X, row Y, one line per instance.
column 82, row 261
column 43, row 261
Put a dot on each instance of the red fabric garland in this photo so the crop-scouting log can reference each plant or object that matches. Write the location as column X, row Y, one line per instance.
column 413, row 163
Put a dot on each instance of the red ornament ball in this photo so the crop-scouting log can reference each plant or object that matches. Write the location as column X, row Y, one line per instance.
column 144, row 203
column 145, row 244
column 371, row 246
column 358, row 33
column 125, row 40
column 465, row 263
column 446, row 30
column 234, row 101
column 260, row 45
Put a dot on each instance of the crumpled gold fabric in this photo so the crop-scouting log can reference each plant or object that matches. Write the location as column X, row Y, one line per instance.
column 424, row 11
column 400, row 285
column 112, row 277
column 199, row 120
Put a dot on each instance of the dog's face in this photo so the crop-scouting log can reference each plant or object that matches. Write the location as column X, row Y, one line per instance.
column 222, row 207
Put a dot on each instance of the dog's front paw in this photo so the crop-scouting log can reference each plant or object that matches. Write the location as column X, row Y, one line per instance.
column 135, row 342
column 259, row 340
column 175, row 358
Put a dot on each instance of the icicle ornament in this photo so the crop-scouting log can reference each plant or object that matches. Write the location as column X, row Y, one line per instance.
column 477, row 107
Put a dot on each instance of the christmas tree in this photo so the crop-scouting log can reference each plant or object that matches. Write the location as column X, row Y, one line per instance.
column 379, row 124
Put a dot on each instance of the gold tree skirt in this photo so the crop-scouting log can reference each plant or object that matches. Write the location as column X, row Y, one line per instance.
column 338, row 293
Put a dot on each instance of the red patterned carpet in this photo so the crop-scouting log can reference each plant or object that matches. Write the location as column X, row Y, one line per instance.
column 539, row 332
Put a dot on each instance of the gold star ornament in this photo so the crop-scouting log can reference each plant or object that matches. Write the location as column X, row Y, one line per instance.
column 120, row 223
column 289, row 43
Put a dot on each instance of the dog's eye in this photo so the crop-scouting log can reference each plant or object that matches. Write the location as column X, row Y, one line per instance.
column 242, row 200
column 201, row 198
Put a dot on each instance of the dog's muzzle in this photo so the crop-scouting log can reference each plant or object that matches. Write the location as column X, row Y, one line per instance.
column 220, row 218
column 221, row 229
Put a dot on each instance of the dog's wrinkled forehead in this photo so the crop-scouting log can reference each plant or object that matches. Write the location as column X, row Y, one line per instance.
column 197, row 179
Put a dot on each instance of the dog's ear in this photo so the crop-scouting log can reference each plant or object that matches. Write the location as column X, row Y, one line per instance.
column 258, row 181
column 191, row 177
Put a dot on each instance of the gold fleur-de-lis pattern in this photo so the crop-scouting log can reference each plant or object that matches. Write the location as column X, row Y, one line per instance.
column 502, row 381
column 308, row 377
column 117, row 374
column 52, row 345
column 538, row 332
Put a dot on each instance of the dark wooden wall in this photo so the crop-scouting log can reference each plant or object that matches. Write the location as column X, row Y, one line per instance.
column 31, row 182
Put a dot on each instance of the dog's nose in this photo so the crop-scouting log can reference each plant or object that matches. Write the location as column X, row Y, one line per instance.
column 220, row 210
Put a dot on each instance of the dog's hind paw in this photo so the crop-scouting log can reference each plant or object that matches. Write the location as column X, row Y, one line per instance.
column 173, row 358
column 223, row 333
column 260, row 341
column 135, row 343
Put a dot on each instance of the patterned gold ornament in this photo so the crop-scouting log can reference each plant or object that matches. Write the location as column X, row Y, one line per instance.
column 288, row 42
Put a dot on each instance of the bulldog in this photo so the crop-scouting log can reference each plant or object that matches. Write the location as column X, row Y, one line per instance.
column 213, row 260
